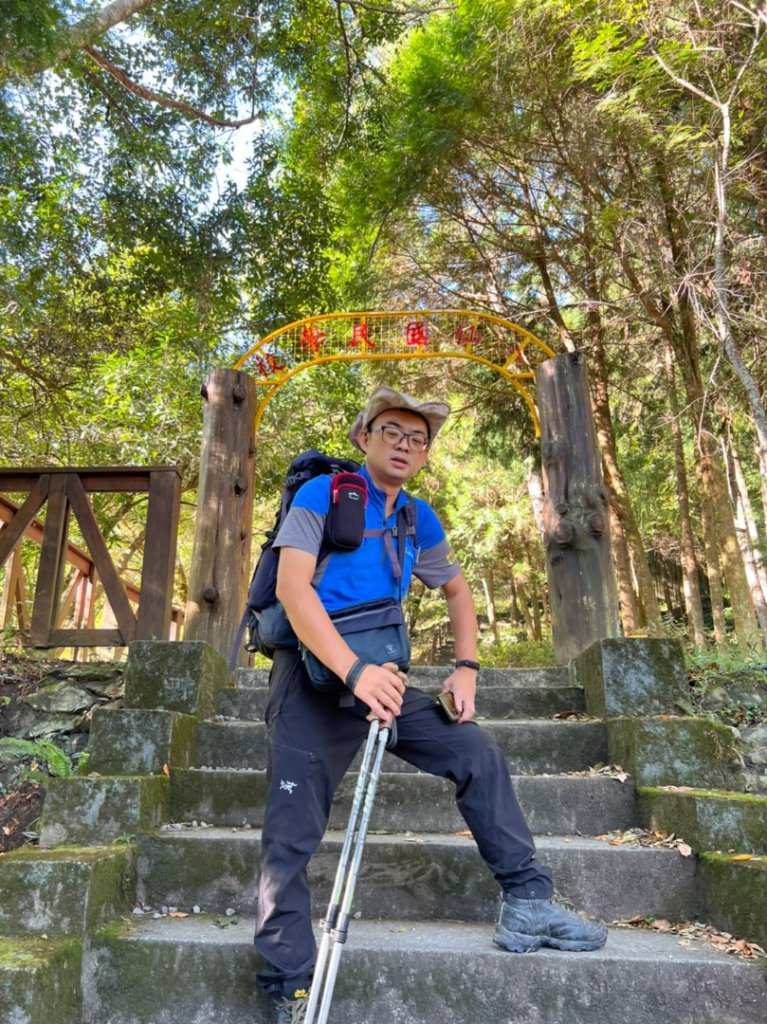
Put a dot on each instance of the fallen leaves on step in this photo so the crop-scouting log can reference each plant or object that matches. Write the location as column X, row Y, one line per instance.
column 687, row 931
column 643, row 837
column 610, row 771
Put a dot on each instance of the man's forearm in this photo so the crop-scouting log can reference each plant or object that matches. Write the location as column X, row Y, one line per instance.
column 314, row 627
column 463, row 620
column 379, row 687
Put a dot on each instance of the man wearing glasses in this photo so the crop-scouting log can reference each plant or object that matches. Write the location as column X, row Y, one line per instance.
column 314, row 736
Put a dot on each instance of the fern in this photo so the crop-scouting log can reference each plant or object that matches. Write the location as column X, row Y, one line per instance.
column 43, row 751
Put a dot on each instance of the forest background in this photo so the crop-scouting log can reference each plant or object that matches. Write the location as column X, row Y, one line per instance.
column 179, row 178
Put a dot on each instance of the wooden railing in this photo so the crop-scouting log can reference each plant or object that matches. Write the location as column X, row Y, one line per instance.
column 66, row 492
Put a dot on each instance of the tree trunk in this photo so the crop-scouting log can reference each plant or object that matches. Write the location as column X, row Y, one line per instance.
column 94, row 24
column 535, row 490
column 536, row 610
column 515, row 613
column 690, row 570
column 721, row 295
column 711, row 551
column 546, row 610
column 630, row 546
column 763, row 483
column 744, row 616
column 488, row 586
column 529, row 627
column 626, row 597
column 582, row 589
column 720, row 542
column 746, row 530
column 221, row 555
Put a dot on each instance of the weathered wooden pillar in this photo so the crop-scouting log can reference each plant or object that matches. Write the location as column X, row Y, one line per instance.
column 221, row 567
column 576, row 530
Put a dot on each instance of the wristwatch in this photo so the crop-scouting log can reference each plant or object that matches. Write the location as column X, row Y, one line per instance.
column 465, row 663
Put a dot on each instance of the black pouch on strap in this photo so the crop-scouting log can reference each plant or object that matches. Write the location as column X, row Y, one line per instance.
column 375, row 631
column 345, row 524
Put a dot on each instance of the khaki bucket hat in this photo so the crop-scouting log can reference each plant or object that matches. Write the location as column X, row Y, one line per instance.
column 383, row 398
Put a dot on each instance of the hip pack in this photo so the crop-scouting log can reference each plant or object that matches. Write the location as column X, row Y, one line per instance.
column 264, row 619
column 375, row 631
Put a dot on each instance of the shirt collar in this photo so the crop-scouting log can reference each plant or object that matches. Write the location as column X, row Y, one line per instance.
column 378, row 495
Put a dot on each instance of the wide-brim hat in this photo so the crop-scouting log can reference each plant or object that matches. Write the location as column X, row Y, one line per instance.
column 383, row 398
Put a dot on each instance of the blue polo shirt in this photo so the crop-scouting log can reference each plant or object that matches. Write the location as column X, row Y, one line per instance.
column 347, row 578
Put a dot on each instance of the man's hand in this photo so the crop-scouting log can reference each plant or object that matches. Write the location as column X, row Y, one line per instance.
column 462, row 683
column 381, row 687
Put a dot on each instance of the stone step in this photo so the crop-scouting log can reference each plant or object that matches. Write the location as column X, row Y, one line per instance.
column 562, row 804
column 418, row 876
column 84, row 811
column 40, row 979
column 432, row 677
column 529, row 746
column 69, row 891
column 493, row 701
column 194, row 971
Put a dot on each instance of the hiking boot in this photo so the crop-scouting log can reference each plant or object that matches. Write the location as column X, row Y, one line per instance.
column 525, row 925
column 290, row 1009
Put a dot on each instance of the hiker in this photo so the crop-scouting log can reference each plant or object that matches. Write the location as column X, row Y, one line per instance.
column 314, row 736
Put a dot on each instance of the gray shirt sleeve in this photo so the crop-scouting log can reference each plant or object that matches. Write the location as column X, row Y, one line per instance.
column 302, row 529
column 436, row 566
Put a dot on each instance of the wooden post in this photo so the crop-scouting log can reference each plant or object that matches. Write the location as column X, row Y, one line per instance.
column 218, row 581
column 582, row 586
column 159, row 563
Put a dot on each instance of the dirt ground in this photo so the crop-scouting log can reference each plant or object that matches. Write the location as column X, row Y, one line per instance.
column 21, row 677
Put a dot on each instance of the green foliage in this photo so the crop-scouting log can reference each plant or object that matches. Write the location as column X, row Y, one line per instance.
column 516, row 654
column 523, row 157
column 38, row 752
column 706, row 664
column 28, row 33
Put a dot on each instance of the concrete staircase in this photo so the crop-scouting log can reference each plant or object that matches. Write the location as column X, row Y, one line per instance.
column 420, row 951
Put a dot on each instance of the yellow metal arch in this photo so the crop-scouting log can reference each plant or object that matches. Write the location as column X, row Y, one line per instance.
column 501, row 345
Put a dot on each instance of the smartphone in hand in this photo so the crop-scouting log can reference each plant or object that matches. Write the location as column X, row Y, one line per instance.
column 447, row 702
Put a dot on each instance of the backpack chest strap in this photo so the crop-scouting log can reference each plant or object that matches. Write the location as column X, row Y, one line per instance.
column 404, row 528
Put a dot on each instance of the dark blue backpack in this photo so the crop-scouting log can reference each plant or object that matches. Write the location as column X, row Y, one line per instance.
column 264, row 619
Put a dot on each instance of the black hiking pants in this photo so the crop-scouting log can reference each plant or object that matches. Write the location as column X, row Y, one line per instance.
column 312, row 742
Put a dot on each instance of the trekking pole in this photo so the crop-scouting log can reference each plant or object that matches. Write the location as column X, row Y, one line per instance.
column 335, row 927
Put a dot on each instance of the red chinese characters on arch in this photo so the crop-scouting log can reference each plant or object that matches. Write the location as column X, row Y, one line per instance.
column 361, row 338
column 416, row 334
column 468, row 335
column 313, row 338
column 268, row 365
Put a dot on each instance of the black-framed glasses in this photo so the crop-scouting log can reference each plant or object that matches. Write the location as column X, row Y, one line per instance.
column 391, row 435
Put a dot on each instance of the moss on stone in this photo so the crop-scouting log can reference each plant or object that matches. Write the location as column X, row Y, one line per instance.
column 65, row 894
column 175, row 676
column 709, row 794
column 631, row 676
column 112, row 887
column 140, row 741
column 735, row 895
column 707, row 820
column 215, row 796
column 96, row 810
column 675, row 751
column 40, row 980
column 114, row 931
column 32, row 951
column 84, row 854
